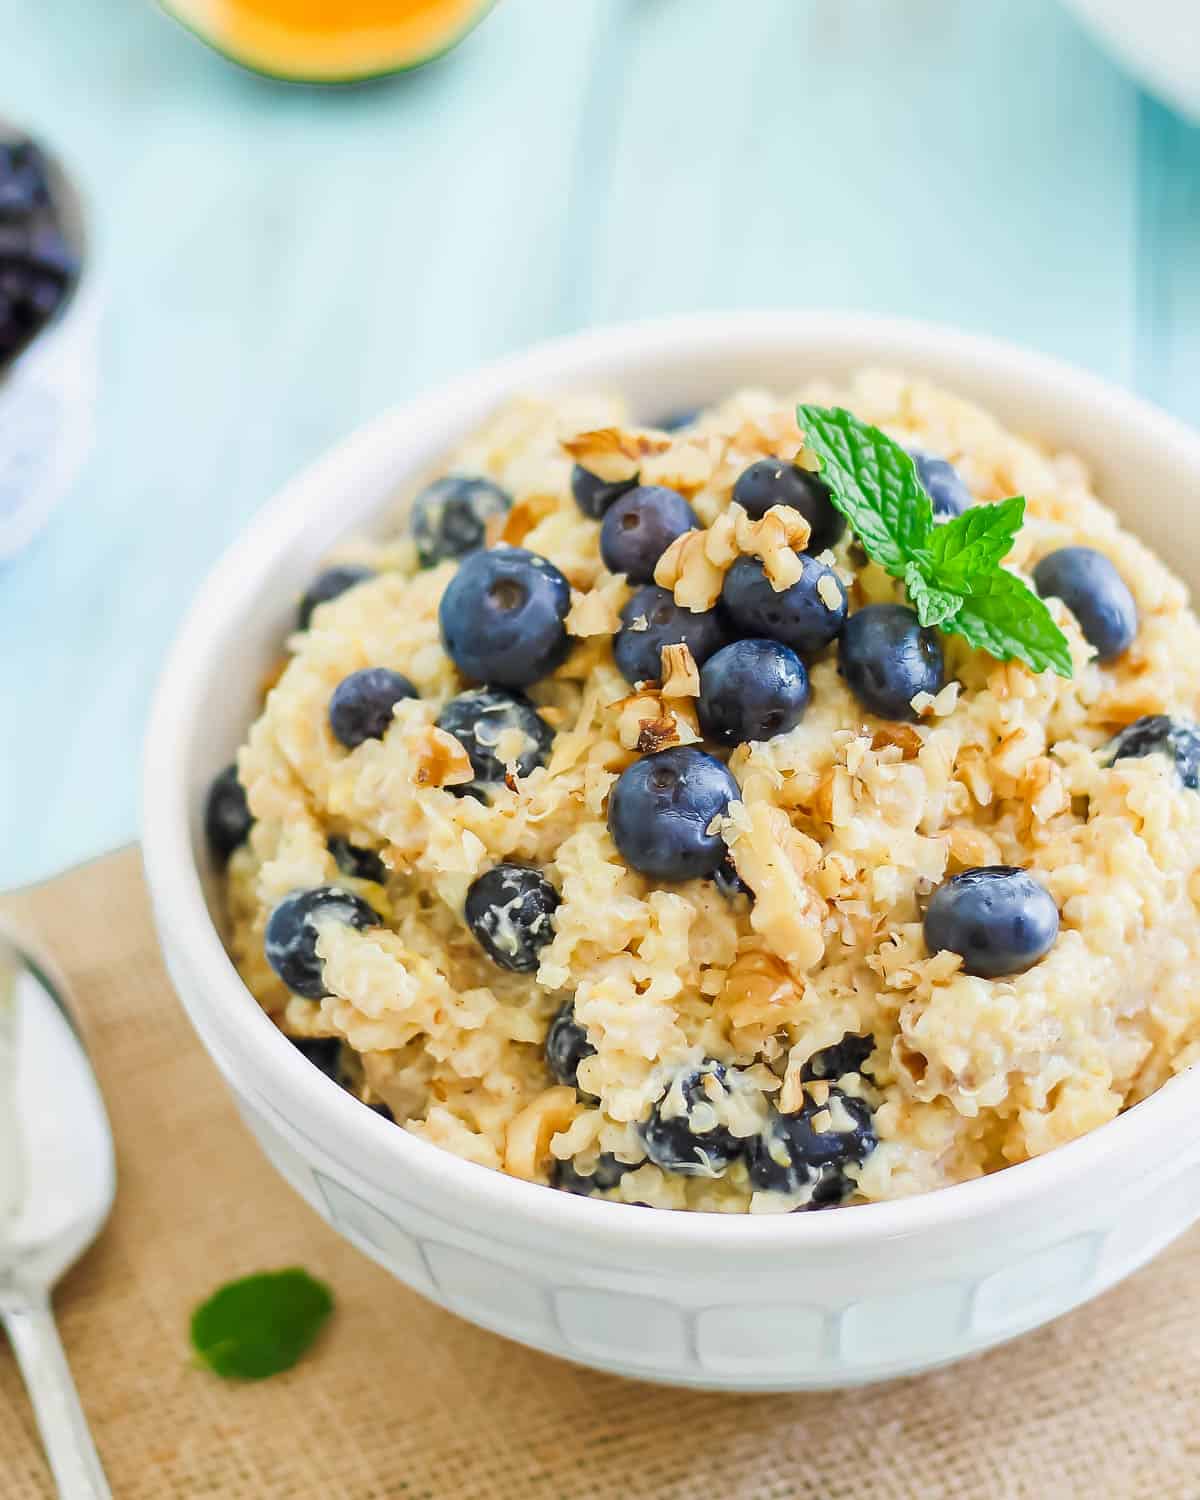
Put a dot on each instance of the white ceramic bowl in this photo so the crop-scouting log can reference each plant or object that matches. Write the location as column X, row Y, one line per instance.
column 1157, row 40
column 806, row 1300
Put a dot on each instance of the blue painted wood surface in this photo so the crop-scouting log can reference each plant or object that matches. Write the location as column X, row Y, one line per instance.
column 278, row 263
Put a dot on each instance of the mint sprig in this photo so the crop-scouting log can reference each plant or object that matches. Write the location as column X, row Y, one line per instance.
column 952, row 572
column 257, row 1326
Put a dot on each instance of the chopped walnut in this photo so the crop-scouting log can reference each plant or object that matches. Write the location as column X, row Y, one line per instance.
column 615, row 454
column 438, row 758
column 969, row 848
column 680, row 674
column 527, row 1140
column 685, row 569
column 598, row 611
column 646, row 723
column 525, row 514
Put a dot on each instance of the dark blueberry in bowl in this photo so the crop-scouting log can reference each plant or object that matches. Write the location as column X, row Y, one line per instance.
column 227, row 819
column 607, row 1172
column 1159, row 734
column 292, row 932
column 566, row 1046
column 510, row 909
column 652, row 620
column 594, row 495
column 482, row 721
column 887, row 658
column 329, row 585
column 752, row 690
column 361, row 705
column 639, row 528
column 661, row 811
column 687, row 1131
column 806, row 616
column 324, row 1052
column 728, row 882
column 808, row 1152
column 774, row 481
column 676, row 421
column 943, row 484
column 846, row 1056
column 450, row 516
column 1095, row 593
column 502, row 617
column 997, row 917
column 359, row 864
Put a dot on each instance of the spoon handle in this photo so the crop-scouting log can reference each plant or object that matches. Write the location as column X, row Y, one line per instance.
column 64, row 1428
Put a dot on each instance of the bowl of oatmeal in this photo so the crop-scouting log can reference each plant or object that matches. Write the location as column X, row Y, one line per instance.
column 679, row 863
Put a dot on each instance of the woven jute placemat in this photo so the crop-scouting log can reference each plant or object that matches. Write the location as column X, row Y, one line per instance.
column 401, row 1401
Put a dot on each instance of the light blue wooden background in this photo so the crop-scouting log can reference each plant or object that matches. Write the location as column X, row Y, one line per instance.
column 279, row 264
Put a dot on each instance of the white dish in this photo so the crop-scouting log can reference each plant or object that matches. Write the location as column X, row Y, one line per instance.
column 743, row 1303
column 1157, row 40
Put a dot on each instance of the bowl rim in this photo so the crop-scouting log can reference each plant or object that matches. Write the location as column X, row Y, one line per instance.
column 222, row 1003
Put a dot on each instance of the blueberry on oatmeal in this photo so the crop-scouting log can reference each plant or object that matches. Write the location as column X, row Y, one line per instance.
column 361, row 706
column 450, row 516
column 502, row 617
column 1095, row 593
column 594, row 495
column 688, row 1131
column 887, row 658
column 806, row 616
column 943, row 484
column 566, row 1046
column 663, row 810
column 294, row 926
column 330, row 584
column 651, row 620
column 358, row 863
column 603, row 1177
column 847, row 1056
column 497, row 729
column 774, row 481
column 999, row 919
column 324, row 1052
column 227, row 818
column 1159, row 734
column 510, row 909
column 805, row 1154
column 752, row 690
column 639, row 528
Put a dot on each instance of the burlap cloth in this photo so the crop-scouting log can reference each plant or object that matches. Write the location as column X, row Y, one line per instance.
column 404, row 1401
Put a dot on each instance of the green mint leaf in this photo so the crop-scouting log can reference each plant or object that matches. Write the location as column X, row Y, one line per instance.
column 873, row 482
column 260, row 1325
column 971, row 546
column 934, row 606
column 1004, row 617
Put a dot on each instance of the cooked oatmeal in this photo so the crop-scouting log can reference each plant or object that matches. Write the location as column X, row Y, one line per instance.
column 772, row 1032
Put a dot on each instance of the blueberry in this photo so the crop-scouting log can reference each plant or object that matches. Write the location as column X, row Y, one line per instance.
column 800, row 616
column 1157, row 734
column 502, row 617
column 846, row 1056
column 774, row 481
column 292, row 932
column 594, row 495
column 686, row 1132
column 727, row 880
column 328, row 585
column 483, row 721
column 449, row 516
column 1000, row 919
column 324, row 1052
column 607, row 1172
column 639, row 528
column 752, row 690
column 887, row 659
column 361, row 706
column 676, row 421
column 661, row 812
column 510, row 909
column 359, row 864
column 227, row 820
column 808, row 1152
column 652, row 620
column 943, row 484
column 38, row 265
column 566, row 1046
column 1095, row 593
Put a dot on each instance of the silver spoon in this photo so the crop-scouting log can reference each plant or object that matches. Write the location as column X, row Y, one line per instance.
column 57, row 1181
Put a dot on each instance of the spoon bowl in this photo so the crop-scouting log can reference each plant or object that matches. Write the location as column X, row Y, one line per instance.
column 57, row 1184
